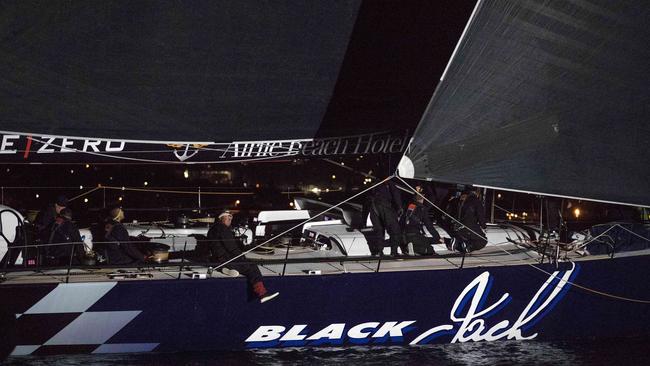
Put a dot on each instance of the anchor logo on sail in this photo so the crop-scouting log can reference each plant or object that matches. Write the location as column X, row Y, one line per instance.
column 185, row 150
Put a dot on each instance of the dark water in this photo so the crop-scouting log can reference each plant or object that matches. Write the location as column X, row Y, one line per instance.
column 610, row 352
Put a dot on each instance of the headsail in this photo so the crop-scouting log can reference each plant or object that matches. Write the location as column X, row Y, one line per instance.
column 548, row 97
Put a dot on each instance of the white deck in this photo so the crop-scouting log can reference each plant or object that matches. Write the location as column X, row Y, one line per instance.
column 497, row 255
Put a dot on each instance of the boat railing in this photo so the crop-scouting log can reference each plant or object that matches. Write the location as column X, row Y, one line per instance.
column 35, row 260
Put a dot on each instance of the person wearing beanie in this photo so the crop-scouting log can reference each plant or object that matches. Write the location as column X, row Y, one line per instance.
column 224, row 247
column 118, row 246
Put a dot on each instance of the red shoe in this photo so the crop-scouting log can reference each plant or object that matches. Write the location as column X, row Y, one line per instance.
column 262, row 293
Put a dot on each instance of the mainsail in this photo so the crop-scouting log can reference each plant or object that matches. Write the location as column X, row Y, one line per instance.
column 173, row 71
column 136, row 81
column 548, row 97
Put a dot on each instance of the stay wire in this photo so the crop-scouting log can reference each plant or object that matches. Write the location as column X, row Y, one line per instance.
column 605, row 294
column 304, row 222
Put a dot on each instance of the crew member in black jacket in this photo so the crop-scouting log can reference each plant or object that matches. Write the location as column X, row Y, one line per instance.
column 119, row 248
column 62, row 231
column 385, row 206
column 224, row 247
column 468, row 209
column 46, row 217
column 414, row 219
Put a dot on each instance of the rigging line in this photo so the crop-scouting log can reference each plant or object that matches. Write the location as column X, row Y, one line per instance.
column 77, row 187
column 531, row 265
column 502, row 209
column 604, row 232
column 587, row 289
column 618, row 222
column 595, row 238
column 180, row 192
column 36, row 187
column 84, row 194
column 441, row 210
column 306, row 221
column 367, row 175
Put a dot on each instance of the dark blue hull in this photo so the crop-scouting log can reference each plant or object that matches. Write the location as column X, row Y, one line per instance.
column 414, row 307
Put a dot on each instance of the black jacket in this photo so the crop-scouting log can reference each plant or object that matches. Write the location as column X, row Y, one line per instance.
column 387, row 194
column 415, row 216
column 44, row 221
column 223, row 245
column 470, row 213
column 119, row 248
column 64, row 231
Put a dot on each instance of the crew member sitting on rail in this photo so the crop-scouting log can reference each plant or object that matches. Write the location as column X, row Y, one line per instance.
column 224, row 247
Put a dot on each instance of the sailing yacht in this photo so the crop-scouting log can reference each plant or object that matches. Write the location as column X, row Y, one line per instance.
column 548, row 98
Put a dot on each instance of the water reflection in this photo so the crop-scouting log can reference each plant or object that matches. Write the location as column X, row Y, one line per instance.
column 628, row 351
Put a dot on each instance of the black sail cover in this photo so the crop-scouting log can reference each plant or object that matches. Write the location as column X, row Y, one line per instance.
column 541, row 96
column 211, row 81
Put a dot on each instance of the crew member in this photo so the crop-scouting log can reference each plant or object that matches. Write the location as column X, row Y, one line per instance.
column 62, row 230
column 224, row 247
column 385, row 206
column 413, row 220
column 118, row 246
column 469, row 211
column 46, row 217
